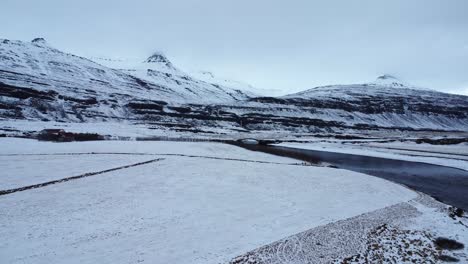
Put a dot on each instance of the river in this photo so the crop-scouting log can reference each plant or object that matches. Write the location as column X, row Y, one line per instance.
column 449, row 185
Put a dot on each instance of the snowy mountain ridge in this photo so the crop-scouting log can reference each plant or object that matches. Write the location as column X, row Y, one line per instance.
column 48, row 68
column 386, row 82
column 41, row 83
column 160, row 63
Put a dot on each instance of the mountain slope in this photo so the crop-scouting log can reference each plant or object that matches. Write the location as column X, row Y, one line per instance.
column 41, row 83
column 387, row 102
column 159, row 69
column 45, row 68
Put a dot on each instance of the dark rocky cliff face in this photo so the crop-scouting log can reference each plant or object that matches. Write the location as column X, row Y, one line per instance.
column 436, row 112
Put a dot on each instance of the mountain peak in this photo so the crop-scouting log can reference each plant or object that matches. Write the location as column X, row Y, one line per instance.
column 389, row 80
column 158, row 57
column 40, row 41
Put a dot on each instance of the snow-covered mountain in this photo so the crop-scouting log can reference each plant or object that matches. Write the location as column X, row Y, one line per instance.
column 158, row 69
column 386, row 102
column 158, row 62
column 43, row 67
column 385, row 84
column 39, row 82
column 151, row 69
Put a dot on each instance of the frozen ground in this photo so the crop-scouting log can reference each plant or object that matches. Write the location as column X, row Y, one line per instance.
column 18, row 170
column 401, row 233
column 209, row 204
column 18, row 146
column 455, row 156
column 206, row 203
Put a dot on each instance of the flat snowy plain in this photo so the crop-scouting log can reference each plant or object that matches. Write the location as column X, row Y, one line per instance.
column 200, row 203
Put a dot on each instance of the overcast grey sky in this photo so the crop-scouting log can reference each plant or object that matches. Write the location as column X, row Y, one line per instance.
column 291, row 45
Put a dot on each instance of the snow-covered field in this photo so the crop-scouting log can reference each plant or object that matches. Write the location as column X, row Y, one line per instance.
column 28, row 146
column 19, row 170
column 200, row 203
column 455, row 156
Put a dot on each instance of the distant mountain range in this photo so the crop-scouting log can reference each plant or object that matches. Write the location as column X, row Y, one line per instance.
column 39, row 82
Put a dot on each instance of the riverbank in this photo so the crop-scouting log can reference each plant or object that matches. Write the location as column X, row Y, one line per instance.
column 402, row 233
column 455, row 156
column 444, row 183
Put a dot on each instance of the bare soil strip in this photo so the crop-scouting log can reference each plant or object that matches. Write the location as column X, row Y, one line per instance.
column 40, row 185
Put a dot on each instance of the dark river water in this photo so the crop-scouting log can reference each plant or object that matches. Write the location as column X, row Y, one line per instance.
column 446, row 184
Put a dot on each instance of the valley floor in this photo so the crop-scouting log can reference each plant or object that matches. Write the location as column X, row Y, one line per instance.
column 175, row 202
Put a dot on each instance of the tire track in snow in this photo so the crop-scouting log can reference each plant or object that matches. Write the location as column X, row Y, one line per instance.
column 89, row 174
